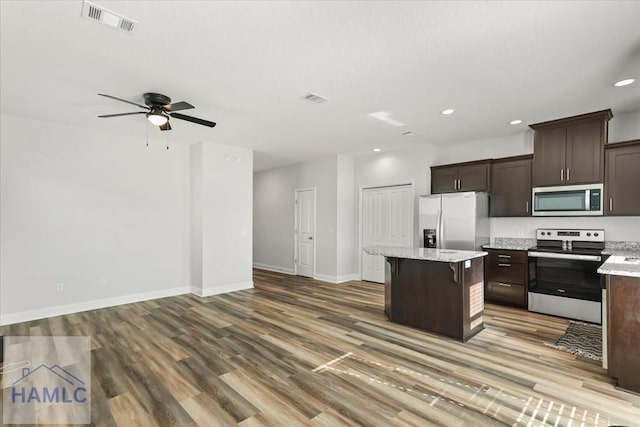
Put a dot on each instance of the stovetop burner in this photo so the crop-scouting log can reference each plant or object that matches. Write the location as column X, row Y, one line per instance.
column 570, row 241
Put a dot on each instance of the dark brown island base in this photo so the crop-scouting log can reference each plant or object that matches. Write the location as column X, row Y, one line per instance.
column 435, row 290
column 621, row 320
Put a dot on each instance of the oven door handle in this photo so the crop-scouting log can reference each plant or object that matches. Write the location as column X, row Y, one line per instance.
column 565, row 256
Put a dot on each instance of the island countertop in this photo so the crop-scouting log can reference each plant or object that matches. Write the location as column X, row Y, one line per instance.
column 621, row 265
column 427, row 254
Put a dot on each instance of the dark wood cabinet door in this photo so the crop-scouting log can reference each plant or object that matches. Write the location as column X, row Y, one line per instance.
column 623, row 179
column 511, row 188
column 549, row 152
column 444, row 180
column 507, row 277
column 473, row 177
column 585, row 148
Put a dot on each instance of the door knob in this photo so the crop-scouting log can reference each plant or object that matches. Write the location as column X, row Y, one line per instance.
column 310, row 237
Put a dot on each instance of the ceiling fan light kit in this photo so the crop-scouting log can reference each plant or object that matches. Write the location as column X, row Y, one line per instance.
column 159, row 110
column 157, row 117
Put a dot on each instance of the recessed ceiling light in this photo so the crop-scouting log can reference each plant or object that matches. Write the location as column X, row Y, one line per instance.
column 515, row 122
column 447, row 111
column 376, row 150
column 624, row 82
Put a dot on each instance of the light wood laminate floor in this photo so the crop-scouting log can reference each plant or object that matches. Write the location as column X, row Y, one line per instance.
column 294, row 351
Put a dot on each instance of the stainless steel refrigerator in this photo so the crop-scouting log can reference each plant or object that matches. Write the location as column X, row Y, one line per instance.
column 454, row 220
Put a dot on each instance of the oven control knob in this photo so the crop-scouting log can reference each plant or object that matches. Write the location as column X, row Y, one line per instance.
column 589, row 234
column 595, row 234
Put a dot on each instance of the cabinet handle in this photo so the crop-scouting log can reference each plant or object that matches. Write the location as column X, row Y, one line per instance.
column 610, row 204
column 561, row 174
column 459, row 184
column 568, row 176
column 455, row 184
column 561, row 291
column 506, row 285
column 504, row 256
column 527, row 207
column 504, row 265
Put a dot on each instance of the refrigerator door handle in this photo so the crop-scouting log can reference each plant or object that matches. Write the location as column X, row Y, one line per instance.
column 440, row 245
column 438, row 229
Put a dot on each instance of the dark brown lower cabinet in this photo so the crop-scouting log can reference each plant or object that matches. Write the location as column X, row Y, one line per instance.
column 623, row 331
column 507, row 276
column 511, row 186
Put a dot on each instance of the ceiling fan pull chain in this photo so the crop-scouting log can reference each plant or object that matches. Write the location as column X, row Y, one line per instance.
column 147, row 128
column 167, row 141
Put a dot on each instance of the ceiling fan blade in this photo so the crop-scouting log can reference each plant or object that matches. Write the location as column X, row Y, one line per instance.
column 165, row 126
column 123, row 100
column 193, row 119
column 177, row 106
column 122, row 114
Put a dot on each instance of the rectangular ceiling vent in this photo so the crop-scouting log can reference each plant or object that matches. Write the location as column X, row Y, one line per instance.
column 315, row 98
column 107, row 17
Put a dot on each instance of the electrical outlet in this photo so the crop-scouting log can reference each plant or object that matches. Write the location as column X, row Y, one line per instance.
column 103, row 282
column 60, row 287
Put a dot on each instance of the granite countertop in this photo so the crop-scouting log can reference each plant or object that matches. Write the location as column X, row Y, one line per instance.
column 511, row 243
column 439, row 255
column 621, row 265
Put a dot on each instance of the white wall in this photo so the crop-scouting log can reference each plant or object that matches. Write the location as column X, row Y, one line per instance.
column 227, row 209
column 80, row 205
column 624, row 127
column 273, row 218
column 273, row 224
column 346, row 220
column 322, row 175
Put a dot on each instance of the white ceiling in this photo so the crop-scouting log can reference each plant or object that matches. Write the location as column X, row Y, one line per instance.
column 246, row 65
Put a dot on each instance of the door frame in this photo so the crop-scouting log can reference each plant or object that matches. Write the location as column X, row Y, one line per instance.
column 295, row 227
column 361, row 189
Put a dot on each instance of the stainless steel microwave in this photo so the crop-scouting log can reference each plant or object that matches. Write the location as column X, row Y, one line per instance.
column 568, row 200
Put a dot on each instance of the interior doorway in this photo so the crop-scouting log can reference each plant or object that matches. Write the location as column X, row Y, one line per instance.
column 304, row 232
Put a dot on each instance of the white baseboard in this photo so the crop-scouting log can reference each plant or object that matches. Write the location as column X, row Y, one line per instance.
column 336, row 279
column 60, row 310
column 274, row 268
column 348, row 277
column 215, row 290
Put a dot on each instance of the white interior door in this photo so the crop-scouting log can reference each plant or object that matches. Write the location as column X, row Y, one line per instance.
column 305, row 202
column 387, row 220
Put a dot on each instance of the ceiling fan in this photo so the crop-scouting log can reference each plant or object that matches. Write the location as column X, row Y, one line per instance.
column 159, row 109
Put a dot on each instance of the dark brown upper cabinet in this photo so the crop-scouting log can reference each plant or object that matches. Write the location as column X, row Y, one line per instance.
column 511, row 186
column 622, row 183
column 469, row 176
column 571, row 150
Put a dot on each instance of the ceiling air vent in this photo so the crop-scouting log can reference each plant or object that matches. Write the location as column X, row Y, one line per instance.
column 96, row 13
column 315, row 98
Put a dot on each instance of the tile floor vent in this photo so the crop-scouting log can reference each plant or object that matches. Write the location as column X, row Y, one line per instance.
column 315, row 98
column 99, row 14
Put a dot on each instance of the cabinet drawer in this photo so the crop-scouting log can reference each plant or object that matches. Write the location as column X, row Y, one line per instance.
column 504, row 271
column 513, row 257
column 506, row 292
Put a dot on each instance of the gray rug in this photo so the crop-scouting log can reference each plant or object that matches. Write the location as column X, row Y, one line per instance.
column 582, row 339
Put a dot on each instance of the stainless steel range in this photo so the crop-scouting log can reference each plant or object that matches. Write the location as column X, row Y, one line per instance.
column 563, row 277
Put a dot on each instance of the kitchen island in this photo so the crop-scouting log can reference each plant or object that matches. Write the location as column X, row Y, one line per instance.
column 435, row 290
column 621, row 319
